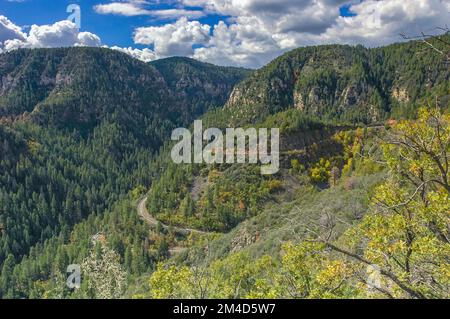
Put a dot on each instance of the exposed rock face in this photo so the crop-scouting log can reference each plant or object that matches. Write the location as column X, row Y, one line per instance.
column 235, row 96
column 299, row 100
column 7, row 83
column 61, row 79
column 350, row 95
column 198, row 86
column 338, row 82
column 79, row 87
column 400, row 94
column 199, row 185
column 84, row 85
column 244, row 238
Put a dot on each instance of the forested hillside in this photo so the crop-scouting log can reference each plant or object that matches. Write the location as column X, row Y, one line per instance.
column 83, row 87
column 347, row 196
column 80, row 129
column 344, row 82
column 370, row 221
column 85, row 139
column 199, row 86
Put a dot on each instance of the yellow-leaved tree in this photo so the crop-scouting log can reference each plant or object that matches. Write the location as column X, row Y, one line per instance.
column 405, row 235
column 400, row 249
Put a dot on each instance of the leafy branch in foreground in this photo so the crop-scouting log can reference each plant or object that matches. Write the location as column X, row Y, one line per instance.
column 431, row 40
column 407, row 233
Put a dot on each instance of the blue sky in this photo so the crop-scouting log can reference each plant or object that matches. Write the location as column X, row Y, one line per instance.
column 229, row 32
column 112, row 29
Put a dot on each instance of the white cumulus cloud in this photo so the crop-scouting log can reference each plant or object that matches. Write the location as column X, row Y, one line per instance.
column 174, row 38
column 381, row 22
column 258, row 30
column 9, row 30
column 60, row 34
column 89, row 39
column 251, row 33
column 145, row 54
column 139, row 8
column 121, row 8
column 245, row 43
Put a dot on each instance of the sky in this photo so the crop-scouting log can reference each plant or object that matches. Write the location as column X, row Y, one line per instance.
column 248, row 33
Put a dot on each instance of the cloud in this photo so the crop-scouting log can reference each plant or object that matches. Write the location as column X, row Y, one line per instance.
column 297, row 14
column 256, row 31
column 145, row 55
column 174, row 39
column 60, row 34
column 139, row 8
column 122, row 8
column 259, row 30
column 280, row 16
column 89, row 39
column 9, row 30
column 381, row 22
column 244, row 43
column 251, row 33
column 177, row 13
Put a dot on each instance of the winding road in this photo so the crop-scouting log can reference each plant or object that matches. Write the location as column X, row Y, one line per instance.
column 151, row 221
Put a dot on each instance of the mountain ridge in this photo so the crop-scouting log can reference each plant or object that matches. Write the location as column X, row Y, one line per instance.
column 57, row 85
column 68, row 183
column 340, row 81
